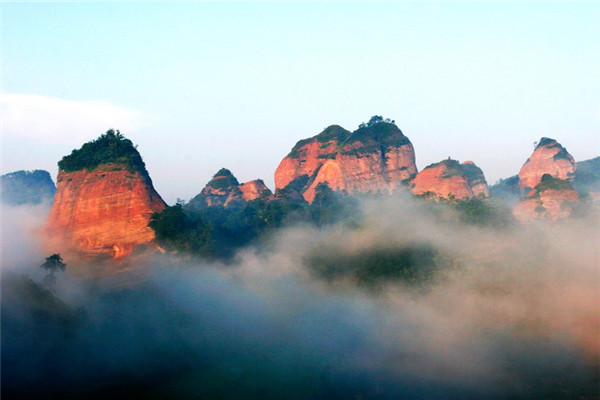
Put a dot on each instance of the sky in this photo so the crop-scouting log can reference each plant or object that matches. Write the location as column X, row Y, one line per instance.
column 203, row 85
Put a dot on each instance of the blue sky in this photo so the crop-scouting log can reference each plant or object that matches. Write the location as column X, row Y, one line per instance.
column 200, row 86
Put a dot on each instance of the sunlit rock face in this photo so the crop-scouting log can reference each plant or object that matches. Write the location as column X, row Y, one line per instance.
column 549, row 157
column 450, row 180
column 552, row 199
column 374, row 158
column 104, row 211
column 224, row 190
column 104, row 199
column 255, row 189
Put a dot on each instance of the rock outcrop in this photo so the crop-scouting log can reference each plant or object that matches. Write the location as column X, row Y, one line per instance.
column 254, row 190
column 27, row 187
column 376, row 157
column 450, row 180
column 552, row 199
column 104, row 198
column 549, row 157
column 224, row 190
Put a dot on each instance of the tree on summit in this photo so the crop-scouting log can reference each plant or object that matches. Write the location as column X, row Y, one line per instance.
column 377, row 119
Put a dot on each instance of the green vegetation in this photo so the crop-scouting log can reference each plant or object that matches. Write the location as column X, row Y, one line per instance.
column 329, row 156
column 383, row 133
column 548, row 182
column 176, row 232
column 484, row 212
column 415, row 264
column 218, row 231
column 54, row 263
column 223, row 179
column 507, row 189
column 587, row 177
column 562, row 154
column 110, row 148
column 333, row 132
column 473, row 173
column 545, row 142
column 295, row 152
column 376, row 136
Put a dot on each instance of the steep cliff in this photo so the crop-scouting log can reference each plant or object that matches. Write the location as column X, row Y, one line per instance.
column 27, row 187
column 449, row 179
column 375, row 157
column 225, row 190
column 552, row 199
column 549, row 157
column 104, row 198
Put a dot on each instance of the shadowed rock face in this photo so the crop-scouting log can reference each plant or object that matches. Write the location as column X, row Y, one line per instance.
column 373, row 158
column 552, row 199
column 104, row 211
column 450, row 180
column 549, row 157
column 224, row 190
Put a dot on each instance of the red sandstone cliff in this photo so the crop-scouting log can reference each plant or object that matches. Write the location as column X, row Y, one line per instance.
column 104, row 199
column 254, row 190
column 549, row 157
column 105, row 211
column 375, row 157
column 450, row 180
column 552, row 199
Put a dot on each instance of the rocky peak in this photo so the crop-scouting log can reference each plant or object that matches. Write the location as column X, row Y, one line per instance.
column 224, row 190
column 475, row 178
column 104, row 198
column 552, row 199
column 549, row 157
column 449, row 179
column 375, row 157
column 254, row 190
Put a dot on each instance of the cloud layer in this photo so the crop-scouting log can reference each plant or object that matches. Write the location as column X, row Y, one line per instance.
column 514, row 316
column 50, row 119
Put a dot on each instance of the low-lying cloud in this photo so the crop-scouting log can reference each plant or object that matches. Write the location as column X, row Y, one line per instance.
column 515, row 314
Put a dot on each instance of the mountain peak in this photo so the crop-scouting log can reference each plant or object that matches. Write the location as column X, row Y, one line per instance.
column 104, row 198
column 109, row 148
column 549, row 157
column 375, row 157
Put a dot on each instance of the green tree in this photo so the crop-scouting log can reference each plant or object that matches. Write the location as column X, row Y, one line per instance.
column 53, row 264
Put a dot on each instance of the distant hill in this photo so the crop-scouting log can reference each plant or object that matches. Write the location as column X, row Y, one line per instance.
column 587, row 178
column 27, row 187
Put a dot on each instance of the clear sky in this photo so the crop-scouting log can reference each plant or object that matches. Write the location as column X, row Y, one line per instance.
column 200, row 86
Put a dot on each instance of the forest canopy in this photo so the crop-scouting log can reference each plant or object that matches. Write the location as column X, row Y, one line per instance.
column 111, row 147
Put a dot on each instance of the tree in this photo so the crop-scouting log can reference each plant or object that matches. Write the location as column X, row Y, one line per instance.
column 52, row 264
